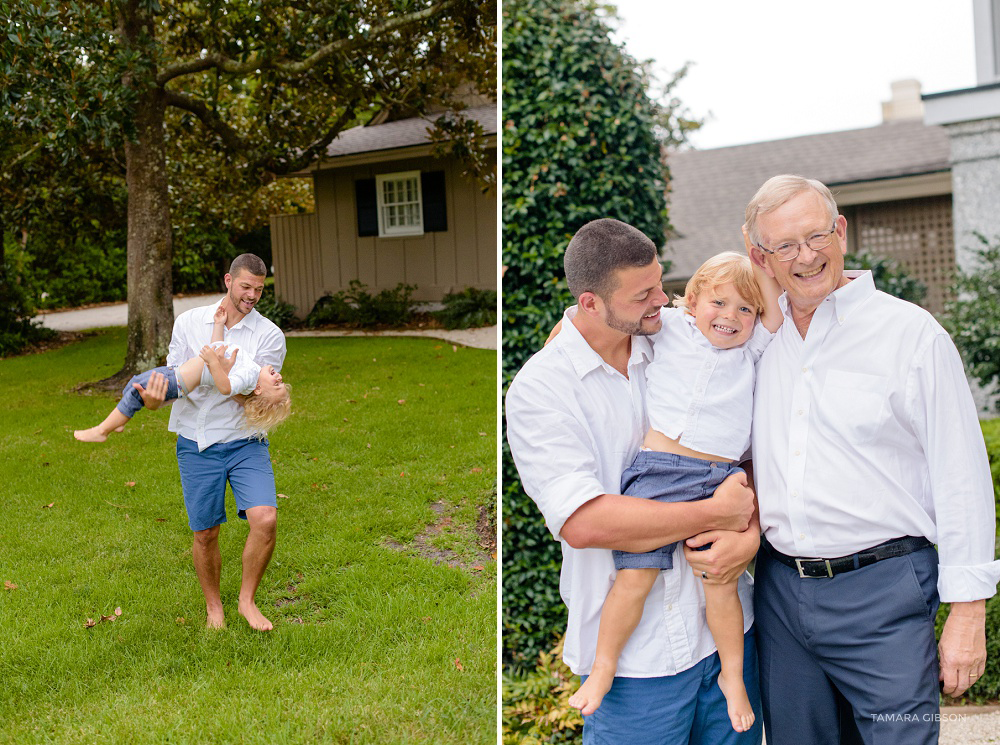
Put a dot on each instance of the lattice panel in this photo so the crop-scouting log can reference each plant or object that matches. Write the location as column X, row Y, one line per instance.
column 915, row 232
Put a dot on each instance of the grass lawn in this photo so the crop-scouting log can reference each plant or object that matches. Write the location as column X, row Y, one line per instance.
column 389, row 457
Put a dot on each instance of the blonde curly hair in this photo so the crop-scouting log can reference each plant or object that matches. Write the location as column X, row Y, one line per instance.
column 262, row 413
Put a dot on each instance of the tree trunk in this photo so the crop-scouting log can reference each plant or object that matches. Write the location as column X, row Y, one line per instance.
column 150, row 249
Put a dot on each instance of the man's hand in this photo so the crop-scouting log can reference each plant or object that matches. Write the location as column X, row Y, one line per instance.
column 727, row 559
column 962, row 649
column 732, row 505
column 153, row 396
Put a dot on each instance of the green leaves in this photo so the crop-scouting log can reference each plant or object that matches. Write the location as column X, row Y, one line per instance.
column 973, row 316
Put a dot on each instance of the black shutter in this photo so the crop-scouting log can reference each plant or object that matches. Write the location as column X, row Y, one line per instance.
column 364, row 195
column 435, row 210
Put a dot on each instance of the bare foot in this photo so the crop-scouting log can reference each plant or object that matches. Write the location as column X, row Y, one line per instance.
column 591, row 693
column 94, row 434
column 740, row 712
column 216, row 619
column 254, row 617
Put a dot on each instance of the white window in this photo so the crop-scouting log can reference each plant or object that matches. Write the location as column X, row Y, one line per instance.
column 400, row 207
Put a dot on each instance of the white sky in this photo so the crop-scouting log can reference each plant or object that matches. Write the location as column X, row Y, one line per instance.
column 773, row 69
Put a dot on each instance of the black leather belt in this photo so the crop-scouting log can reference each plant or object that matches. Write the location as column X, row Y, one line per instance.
column 809, row 568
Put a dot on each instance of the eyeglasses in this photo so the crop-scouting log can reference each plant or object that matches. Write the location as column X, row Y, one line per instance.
column 790, row 249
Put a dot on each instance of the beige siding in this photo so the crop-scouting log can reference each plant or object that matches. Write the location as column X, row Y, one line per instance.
column 463, row 256
column 297, row 260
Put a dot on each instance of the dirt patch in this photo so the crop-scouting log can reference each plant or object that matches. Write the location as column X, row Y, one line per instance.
column 471, row 560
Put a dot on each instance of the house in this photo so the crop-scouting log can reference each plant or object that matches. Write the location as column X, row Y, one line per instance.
column 388, row 212
column 892, row 182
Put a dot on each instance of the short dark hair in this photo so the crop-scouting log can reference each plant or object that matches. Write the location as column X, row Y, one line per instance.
column 598, row 250
column 250, row 263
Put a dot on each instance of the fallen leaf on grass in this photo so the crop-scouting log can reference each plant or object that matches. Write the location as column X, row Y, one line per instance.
column 282, row 496
column 482, row 434
column 181, row 620
column 478, row 568
column 458, row 664
column 47, row 506
column 119, row 506
column 161, row 519
column 475, row 470
column 129, row 483
column 402, row 473
column 9, row 585
column 91, row 623
column 454, row 348
column 426, row 619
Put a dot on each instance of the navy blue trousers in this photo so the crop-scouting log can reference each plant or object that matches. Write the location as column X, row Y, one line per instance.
column 852, row 658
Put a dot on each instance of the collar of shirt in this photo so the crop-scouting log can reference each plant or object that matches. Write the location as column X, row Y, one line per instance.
column 845, row 299
column 582, row 355
column 249, row 321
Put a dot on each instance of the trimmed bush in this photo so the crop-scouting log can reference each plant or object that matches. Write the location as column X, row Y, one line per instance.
column 280, row 313
column 359, row 308
column 470, row 308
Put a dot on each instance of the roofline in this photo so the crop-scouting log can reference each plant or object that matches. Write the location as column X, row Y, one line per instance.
column 931, row 183
column 957, row 91
column 329, row 163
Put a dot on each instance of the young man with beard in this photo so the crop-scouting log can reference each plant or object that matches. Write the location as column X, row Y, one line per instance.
column 231, row 454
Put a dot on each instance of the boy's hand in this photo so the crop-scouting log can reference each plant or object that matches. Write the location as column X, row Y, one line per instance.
column 220, row 315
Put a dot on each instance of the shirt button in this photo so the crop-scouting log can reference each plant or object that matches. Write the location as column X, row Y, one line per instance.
column 805, row 369
column 800, row 412
column 796, row 452
column 670, row 606
column 802, row 536
column 795, row 495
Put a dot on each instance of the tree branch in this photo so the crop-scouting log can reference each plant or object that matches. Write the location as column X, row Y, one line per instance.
column 210, row 119
column 312, row 151
column 261, row 61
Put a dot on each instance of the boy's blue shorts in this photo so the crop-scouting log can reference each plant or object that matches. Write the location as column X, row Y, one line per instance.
column 667, row 477
column 245, row 464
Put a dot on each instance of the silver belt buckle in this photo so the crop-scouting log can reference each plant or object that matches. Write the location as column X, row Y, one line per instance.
column 829, row 569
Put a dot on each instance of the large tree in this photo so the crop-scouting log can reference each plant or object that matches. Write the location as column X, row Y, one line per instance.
column 269, row 84
column 583, row 138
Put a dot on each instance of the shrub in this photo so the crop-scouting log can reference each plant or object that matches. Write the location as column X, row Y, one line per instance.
column 359, row 308
column 17, row 331
column 536, row 704
column 470, row 308
column 280, row 313
column 973, row 317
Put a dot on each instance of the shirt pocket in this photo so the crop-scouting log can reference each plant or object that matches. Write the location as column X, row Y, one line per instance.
column 854, row 404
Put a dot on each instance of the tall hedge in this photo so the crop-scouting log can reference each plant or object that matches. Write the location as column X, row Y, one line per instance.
column 580, row 142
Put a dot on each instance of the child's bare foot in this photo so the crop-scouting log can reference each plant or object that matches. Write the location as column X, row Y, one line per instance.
column 591, row 693
column 254, row 617
column 216, row 619
column 94, row 434
column 740, row 712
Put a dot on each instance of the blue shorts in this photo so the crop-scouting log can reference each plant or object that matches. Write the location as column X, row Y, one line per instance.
column 131, row 401
column 666, row 477
column 245, row 464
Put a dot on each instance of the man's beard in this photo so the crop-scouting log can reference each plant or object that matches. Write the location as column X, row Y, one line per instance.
column 236, row 304
column 632, row 328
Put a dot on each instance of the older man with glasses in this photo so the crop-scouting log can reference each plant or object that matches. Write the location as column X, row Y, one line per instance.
column 867, row 452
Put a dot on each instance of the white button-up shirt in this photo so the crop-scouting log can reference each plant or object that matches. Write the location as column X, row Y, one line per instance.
column 700, row 393
column 206, row 416
column 574, row 424
column 866, row 431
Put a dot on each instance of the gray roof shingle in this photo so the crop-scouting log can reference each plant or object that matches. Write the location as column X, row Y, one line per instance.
column 710, row 189
column 402, row 133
